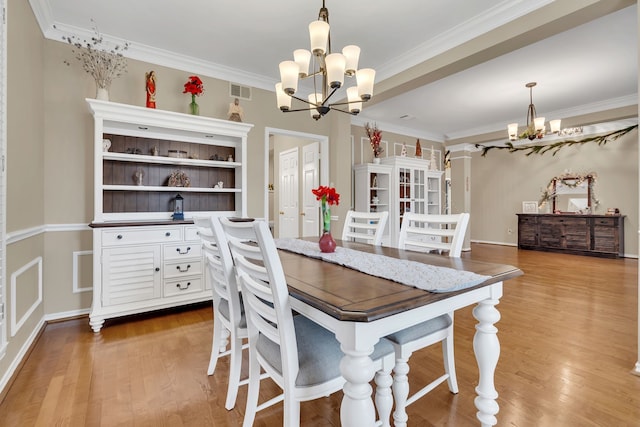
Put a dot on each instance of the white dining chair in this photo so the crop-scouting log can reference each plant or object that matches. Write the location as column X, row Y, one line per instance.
column 426, row 232
column 366, row 227
column 229, row 320
column 301, row 357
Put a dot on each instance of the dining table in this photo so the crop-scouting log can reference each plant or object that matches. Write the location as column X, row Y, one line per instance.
column 360, row 307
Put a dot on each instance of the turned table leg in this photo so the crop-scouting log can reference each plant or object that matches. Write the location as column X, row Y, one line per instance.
column 487, row 350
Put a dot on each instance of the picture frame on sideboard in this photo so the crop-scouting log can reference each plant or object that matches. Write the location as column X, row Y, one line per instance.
column 530, row 207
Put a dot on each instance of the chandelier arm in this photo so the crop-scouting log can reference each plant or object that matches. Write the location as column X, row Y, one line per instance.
column 303, row 100
column 342, row 111
column 299, row 109
column 319, row 72
column 347, row 102
column 329, row 96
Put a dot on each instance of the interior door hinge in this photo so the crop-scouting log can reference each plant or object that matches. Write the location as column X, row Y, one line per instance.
column 2, row 311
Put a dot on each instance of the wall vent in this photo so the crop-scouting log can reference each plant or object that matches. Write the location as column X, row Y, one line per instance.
column 238, row 91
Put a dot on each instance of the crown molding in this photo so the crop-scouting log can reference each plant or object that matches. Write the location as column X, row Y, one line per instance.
column 502, row 13
column 360, row 120
column 55, row 31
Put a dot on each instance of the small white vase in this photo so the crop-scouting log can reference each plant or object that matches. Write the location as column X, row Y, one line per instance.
column 376, row 160
column 102, row 93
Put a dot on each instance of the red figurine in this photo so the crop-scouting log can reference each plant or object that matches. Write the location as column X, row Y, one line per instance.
column 151, row 89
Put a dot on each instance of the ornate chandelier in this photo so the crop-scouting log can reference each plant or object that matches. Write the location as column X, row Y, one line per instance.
column 535, row 125
column 330, row 68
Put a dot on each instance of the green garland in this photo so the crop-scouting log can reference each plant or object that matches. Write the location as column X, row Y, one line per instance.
column 556, row 146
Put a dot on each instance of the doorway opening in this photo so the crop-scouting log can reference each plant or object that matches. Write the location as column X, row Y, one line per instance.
column 280, row 140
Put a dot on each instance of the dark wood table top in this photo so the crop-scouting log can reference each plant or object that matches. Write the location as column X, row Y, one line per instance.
column 347, row 294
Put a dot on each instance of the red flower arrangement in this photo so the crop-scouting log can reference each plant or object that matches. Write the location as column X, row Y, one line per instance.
column 375, row 136
column 193, row 86
column 327, row 195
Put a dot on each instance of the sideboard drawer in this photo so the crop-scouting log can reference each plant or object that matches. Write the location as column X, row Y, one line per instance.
column 605, row 222
column 182, row 268
column 183, row 251
column 191, row 234
column 141, row 235
column 182, row 286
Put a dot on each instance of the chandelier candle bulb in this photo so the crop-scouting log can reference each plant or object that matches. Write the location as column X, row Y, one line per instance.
column 315, row 99
column 318, row 35
column 539, row 124
column 513, row 131
column 302, row 57
column 289, row 76
column 365, row 78
column 355, row 104
column 554, row 126
column 284, row 100
column 352, row 55
column 335, row 64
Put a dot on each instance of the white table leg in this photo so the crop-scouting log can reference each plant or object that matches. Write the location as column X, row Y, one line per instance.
column 384, row 399
column 487, row 350
column 357, row 408
column 400, row 392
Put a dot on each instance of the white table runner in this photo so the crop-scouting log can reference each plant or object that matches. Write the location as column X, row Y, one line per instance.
column 411, row 273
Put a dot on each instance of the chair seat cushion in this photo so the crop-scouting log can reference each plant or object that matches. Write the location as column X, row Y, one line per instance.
column 224, row 310
column 420, row 330
column 319, row 352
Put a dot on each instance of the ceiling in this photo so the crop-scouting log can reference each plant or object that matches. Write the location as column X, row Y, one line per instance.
column 582, row 69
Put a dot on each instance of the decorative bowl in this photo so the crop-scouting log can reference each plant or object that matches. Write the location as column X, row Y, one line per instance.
column 177, row 153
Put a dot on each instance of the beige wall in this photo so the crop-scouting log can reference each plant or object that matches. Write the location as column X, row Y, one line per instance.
column 25, row 174
column 500, row 182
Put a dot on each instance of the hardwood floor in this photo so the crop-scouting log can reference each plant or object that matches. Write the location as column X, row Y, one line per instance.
column 568, row 343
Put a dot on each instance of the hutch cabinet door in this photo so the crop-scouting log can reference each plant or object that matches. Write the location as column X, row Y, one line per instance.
column 131, row 274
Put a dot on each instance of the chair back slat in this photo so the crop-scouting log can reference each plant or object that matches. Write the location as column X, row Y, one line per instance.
column 433, row 232
column 219, row 265
column 265, row 292
column 367, row 227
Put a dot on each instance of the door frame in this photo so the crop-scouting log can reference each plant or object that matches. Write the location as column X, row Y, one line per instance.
column 324, row 158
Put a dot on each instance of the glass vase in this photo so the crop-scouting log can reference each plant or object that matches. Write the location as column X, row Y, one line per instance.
column 326, row 242
column 194, row 108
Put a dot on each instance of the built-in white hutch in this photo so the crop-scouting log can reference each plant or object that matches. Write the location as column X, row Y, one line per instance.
column 143, row 259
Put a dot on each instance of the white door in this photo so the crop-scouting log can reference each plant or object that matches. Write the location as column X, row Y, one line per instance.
column 288, row 194
column 310, row 180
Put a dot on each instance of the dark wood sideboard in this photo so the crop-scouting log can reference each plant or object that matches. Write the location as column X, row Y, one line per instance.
column 594, row 235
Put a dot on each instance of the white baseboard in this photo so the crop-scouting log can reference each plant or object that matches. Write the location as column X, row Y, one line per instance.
column 66, row 315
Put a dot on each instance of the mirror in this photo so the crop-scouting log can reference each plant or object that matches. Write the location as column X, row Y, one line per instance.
column 573, row 194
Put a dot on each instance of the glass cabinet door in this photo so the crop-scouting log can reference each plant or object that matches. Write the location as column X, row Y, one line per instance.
column 419, row 191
